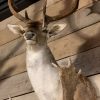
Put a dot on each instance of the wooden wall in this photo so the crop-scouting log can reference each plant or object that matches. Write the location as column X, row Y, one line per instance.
column 80, row 41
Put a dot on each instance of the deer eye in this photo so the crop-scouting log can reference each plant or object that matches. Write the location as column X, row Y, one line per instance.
column 33, row 34
column 45, row 30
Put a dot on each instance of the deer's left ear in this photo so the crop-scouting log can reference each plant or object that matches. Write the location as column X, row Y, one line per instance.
column 16, row 29
column 57, row 28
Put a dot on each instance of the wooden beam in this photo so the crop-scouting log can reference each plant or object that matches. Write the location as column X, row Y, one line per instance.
column 74, row 22
column 30, row 96
column 14, row 86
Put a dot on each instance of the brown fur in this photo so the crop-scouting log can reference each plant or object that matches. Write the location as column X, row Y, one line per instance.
column 76, row 86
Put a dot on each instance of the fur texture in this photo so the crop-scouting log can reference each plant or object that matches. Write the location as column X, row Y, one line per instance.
column 43, row 76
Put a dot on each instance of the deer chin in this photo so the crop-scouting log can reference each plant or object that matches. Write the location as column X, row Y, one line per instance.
column 30, row 42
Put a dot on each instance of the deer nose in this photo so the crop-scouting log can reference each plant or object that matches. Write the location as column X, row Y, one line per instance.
column 29, row 35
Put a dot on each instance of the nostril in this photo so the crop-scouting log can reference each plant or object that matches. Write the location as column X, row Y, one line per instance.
column 33, row 34
column 29, row 36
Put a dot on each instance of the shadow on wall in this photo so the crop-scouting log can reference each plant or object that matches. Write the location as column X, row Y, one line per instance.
column 86, row 61
column 7, row 72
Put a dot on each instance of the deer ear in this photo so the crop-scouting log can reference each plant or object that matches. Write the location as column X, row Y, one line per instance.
column 57, row 28
column 16, row 29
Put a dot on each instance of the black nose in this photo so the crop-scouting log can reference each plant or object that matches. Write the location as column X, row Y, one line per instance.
column 29, row 36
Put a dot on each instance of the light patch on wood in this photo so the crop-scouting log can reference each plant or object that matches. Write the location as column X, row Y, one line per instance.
column 96, row 83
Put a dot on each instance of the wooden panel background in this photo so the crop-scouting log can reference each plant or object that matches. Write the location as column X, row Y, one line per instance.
column 79, row 41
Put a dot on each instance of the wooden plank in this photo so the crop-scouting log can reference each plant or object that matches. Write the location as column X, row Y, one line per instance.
column 83, row 3
column 75, row 22
column 30, row 96
column 12, row 48
column 12, row 66
column 15, row 86
column 88, row 61
column 96, row 83
column 29, row 9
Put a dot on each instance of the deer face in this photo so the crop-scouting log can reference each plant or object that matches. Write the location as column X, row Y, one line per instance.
column 34, row 31
column 29, row 32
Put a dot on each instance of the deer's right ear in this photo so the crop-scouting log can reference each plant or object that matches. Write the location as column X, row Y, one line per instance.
column 16, row 29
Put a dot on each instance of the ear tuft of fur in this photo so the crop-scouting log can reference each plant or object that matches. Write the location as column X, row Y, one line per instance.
column 16, row 29
column 56, row 28
column 60, row 27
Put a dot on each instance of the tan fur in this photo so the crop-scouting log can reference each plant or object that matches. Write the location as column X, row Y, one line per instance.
column 76, row 86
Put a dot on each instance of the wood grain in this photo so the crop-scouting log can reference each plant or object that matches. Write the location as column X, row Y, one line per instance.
column 20, row 84
column 74, row 22
column 88, row 61
column 14, row 86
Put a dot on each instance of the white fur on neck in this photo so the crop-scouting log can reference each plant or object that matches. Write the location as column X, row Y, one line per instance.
column 43, row 76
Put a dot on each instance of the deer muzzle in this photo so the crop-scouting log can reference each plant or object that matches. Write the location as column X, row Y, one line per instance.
column 29, row 35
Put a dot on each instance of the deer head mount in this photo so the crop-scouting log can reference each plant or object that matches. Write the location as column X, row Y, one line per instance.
column 37, row 30
column 50, row 82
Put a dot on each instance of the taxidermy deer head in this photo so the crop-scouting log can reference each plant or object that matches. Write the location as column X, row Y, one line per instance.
column 35, row 30
column 49, row 81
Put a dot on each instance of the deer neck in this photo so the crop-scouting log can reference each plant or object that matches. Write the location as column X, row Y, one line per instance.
column 40, row 49
column 43, row 76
